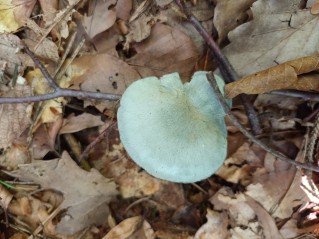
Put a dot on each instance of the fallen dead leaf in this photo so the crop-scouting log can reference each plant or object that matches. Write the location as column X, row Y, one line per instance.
column 266, row 221
column 8, row 23
column 77, row 123
column 44, row 138
column 140, row 28
column 102, row 73
column 102, row 18
column 235, row 204
column 123, row 9
column 49, row 9
column 5, row 197
column 289, row 75
column 17, row 154
column 163, row 3
column 238, row 167
column 23, row 9
column 277, row 198
column 167, row 50
column 315, row 8
column 134, row 227
column 46, row 50
column 229, row 14
column 215, row 227
column 279, row 32
column 86, row 194
column 9, row 44
column 15, row 118
column 26, row 209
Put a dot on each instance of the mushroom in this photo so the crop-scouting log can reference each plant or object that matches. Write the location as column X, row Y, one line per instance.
column 174, row 131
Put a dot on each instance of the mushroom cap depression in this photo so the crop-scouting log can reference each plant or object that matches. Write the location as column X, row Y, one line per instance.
column 174, row 131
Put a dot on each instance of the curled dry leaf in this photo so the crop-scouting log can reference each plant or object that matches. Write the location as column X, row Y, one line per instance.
column 18, row 153
column 102, row 73
column 279, row 32
column 15, row 118
column 134, row 227
column 289, row 75
column 215, row 227
column 86, row 194
column 5, row 197
column 167, row 50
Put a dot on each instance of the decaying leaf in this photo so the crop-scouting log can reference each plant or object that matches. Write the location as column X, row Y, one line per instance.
column 279, row 32
column 240, row 213
column 49, row 9
column 289, row 75
column 8, row 22
column 215, row 227
column 140, row 28
column 15, row 155
column 230, row 14
column 47, row 49
column 123, row 9
column 167, row 50
column 15, row 118
column 23, row 9
column 266, row 221
column 44, row 138
column 315, row 7
column 102, row 18
column 83, row 121
column 10, row 55
column 86, row 194
column 134, row 227
column 5, row 197
column 102, row 73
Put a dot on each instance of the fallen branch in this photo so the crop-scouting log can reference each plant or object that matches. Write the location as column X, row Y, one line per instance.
column 236, row 123
column 57, row 91
column 227, row 71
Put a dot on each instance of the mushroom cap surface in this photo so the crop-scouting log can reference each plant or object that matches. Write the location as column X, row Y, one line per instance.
column 174, row 131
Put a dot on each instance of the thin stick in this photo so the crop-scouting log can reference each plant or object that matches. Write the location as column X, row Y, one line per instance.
column 42, row 68
column 60, row 93
column 298, row 94
column 236, row 123
column 57, row 91
column 225, row 67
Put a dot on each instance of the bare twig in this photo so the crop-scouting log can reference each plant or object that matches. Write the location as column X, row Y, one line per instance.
column 225, row 67
column 236, row 123
column 57, row 91
column 296, row 93
column 42, row 68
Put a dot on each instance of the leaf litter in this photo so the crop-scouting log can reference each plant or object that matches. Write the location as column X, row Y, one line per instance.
column 252, row 196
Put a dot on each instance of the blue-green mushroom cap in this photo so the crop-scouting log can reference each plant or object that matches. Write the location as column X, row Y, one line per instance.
column 174, row 131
